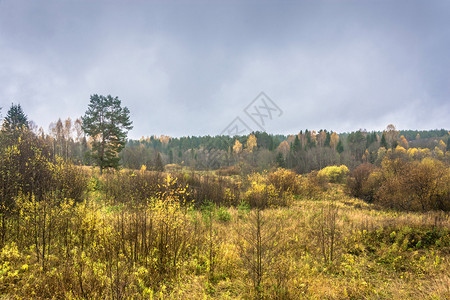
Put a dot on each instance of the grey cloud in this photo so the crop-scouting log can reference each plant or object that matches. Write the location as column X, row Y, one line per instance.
column 186, row 68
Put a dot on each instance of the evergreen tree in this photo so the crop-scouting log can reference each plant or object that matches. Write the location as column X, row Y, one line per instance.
column 107, row 123
column 158, row 163
column 15, row 120
column 296, row 146
column 327, row 140
column 340, row 147
column 383, row 142
column 170, row 156
column 280, row 160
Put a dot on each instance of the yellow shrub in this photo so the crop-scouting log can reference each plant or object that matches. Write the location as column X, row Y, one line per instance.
column 285, row 181
column 334, row 174
column 260, row 193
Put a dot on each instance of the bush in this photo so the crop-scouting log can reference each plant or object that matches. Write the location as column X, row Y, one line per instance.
column 285, row 181
column 260, row 193
column 223, row 215
column 358, row 182
column 219, row 190
column 313, row 185
column 334, row 174
column 28, row 168
column 414, row 185
column 403, row 184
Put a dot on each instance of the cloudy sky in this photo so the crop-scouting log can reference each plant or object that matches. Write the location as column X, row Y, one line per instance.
column 192, row 67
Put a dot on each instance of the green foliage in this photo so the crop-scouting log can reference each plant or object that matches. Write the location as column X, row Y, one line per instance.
column 223, row 215
column 107, row 123
column 340, row 147
column 159, row 166
column 243, row 208
column 15, row 121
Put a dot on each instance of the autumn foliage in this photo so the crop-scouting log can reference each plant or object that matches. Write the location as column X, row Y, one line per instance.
column 68, row 232
column 404, row 182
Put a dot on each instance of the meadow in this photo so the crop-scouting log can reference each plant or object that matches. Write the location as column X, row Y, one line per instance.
column 377, row 227
column 271, row 235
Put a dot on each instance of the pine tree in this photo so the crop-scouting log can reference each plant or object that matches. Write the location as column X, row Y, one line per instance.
column 296, row 146
column 15, row 120
column 108, row 124
column 280, row 160
column 327, row 140
column 170, row 156
column 383, row 142
column 340, row 147
column 159, row 166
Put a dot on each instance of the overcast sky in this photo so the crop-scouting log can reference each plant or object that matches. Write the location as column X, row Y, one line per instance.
column 192, row 67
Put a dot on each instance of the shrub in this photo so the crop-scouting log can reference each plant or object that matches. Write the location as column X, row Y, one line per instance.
column 223, row 214
column 285, row 181
column 219, row 190
column 313, row 185
column 260, row 194
column 334, row 174
column 358, row 182
column 414, row 185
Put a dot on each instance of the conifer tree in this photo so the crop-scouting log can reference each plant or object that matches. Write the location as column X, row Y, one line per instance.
column 383, row 142
column 107, row 123
column 15, row 119
column 340, row 147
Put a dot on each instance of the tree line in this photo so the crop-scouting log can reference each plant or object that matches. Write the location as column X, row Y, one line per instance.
column 100, row 138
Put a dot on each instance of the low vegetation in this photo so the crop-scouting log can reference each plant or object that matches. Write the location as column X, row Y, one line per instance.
column 380, row 230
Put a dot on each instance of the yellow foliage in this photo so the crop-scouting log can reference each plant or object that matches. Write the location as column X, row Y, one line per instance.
column 442, row 146
column 438, row 152
column 400, row 149
column 284, row 148
column 403, row 142
column 412, row 152
column 251, row 142
column 334, row 174
column 285, row 180
column 334, row 140
column 237, row 148
column 260, row 193
column 172, row 190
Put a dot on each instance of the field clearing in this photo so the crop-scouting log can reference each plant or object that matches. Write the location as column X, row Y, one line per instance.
column 362, row 252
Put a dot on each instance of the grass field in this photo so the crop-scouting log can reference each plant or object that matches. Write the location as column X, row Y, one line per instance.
column 330, row 246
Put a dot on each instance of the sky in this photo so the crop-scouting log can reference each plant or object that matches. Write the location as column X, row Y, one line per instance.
column 199, row 67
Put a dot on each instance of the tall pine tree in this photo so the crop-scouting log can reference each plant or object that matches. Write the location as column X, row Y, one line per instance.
column 107, row 123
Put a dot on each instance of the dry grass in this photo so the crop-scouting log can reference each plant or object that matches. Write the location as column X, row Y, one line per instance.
column 372, row 258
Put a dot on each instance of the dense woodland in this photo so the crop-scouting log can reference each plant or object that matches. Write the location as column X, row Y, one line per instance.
column 310, row 215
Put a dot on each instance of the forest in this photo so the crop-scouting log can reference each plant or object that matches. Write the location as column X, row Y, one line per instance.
column 86, row 213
